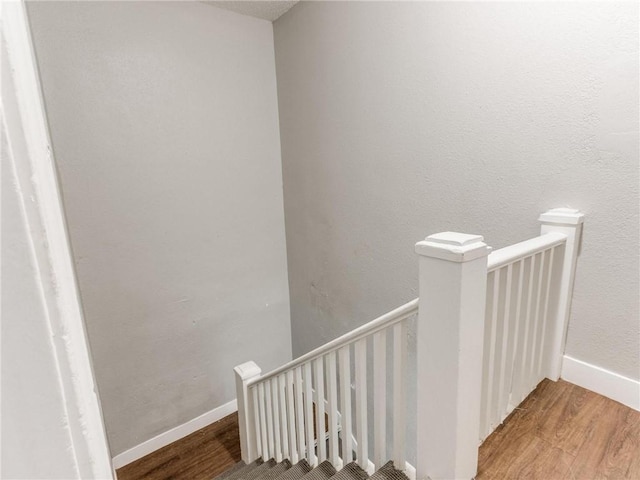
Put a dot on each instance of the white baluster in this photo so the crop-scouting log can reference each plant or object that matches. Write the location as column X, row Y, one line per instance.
column 537, row 324
column 256, row 412
column 269, row 412
column 506, row 350
column 380, row 397
column 276, row 419
column 345, row 396
column 496, row 346
column 530, row 324
column 291, row 416
column 299, row 409
column 320, row 419
column 544, row 273
column 519, row 358
column 361, row 403
column 308, row 409
column 263, row 423
column 487, row 359
column 332, row 397
column 545, row 312
column 518, row 337
column 399, row 393
column 284, row 431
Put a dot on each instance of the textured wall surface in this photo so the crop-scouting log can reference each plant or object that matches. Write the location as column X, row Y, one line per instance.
column 399, row 120
column 164, row 123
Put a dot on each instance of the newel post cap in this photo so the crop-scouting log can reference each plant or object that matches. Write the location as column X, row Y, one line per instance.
column 453, row 246
column 562, row 216
column 247, row 370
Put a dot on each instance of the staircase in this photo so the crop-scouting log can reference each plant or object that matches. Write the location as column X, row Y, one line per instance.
column 270, row 470
column 485, row 330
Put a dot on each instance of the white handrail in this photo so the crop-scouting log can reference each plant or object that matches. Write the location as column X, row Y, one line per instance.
column 504, row 256
column 380, row 323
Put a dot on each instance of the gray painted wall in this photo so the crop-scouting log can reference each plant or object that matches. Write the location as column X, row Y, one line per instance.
column 399, row 120
column 164, row 122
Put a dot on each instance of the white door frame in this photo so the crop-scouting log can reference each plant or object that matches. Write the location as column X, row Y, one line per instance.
column 27, row 129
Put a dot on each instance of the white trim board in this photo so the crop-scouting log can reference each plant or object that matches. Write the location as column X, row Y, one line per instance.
column 25, row 120
column 607, row 383
column 176, row 433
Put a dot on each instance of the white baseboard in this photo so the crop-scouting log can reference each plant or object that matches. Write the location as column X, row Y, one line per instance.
column 610, row 384
column 176, row 433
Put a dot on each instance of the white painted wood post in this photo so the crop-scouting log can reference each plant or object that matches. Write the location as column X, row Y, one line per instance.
column 450, row 330
column 246, row 424
column 569, row 222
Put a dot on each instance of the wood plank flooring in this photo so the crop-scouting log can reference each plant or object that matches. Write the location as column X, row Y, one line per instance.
column 560, row 432
column 202, row 455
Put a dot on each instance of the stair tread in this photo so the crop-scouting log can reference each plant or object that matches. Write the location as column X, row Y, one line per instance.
column 389, row 472
column 296, row 472
column 324, row 471
column 257, row 471
column 387, row 466
column 351, row 471
column 270, row 470
column 236, row 473
column 275, row 471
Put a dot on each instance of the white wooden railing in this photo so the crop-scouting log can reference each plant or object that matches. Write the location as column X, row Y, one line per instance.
column 519, row 291
column 282, row 412
column 528, row 289
column 490, row 326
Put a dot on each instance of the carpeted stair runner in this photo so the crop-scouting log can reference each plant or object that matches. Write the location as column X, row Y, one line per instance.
column 236, row 473
column 271, row 470
column 297, row 471
column 324, row 471
column 351, row 471
column 256, row 473
column 388, row 472
column 276, row 471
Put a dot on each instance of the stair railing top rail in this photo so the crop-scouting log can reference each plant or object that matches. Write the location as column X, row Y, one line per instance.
column 504, row 256
column 384, row 321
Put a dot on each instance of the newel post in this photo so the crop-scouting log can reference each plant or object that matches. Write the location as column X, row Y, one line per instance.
column 450, row 331
column 569, row 222
column 248, row 443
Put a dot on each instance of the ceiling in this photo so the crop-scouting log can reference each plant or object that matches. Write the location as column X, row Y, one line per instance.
column 267, row 9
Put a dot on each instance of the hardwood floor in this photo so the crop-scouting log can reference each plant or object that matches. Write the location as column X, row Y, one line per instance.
column 560, row 432
column 204, row 454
